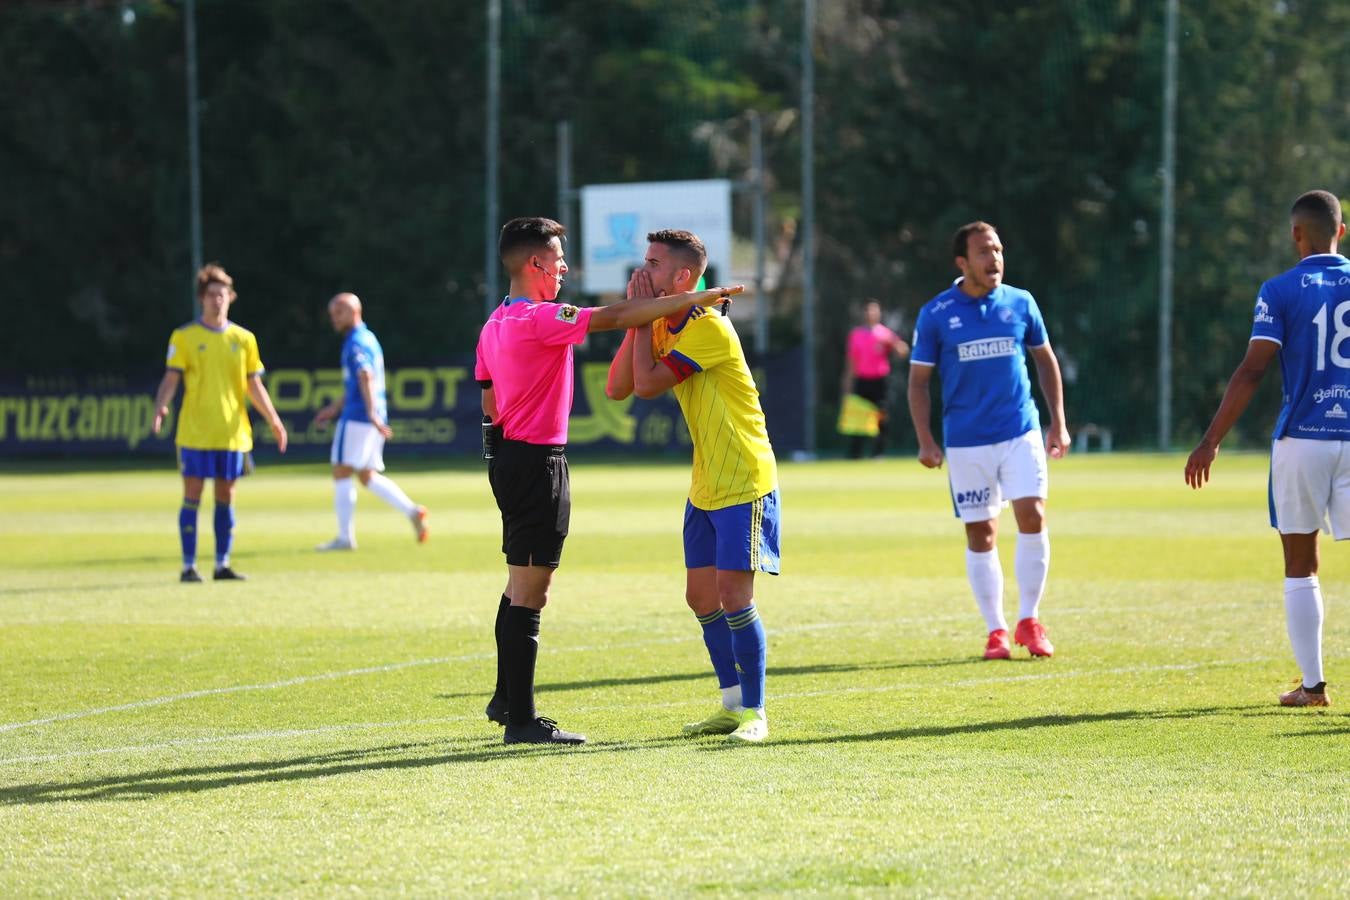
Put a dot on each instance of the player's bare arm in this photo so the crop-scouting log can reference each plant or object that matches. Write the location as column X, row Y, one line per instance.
column 619, row 385
column 1241, row 388
column 1057, row 438
column 489, row 404
column 644, row 310
column 921, row 412
column 651, row 378
column 366, row 381
column 262, row 401
column 330, row 411
column 168, row 386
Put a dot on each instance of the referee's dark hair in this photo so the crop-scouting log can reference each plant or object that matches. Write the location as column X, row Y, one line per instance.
column 961, row 240
column 522, row 238
column 686, row 244
column 1319, row 212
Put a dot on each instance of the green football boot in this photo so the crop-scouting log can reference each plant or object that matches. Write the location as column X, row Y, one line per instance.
column 752, row 728
column 724, row 721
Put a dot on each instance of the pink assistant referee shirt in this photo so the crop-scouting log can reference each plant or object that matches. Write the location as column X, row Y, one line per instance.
column 869, row 349
column 525, row 350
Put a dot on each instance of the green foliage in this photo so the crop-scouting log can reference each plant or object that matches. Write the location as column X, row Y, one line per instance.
column 318, row 729
column 343, row 149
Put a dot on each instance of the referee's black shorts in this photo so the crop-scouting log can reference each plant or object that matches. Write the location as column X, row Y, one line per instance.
column 530, row 484
column 871, row 389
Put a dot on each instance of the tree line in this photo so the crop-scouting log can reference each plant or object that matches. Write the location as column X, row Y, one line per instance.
column 343, row 150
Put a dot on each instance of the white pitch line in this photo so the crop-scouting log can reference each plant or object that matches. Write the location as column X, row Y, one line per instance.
column 438, row 660
column 406, row 723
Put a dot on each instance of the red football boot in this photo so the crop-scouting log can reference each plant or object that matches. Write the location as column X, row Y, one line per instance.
column 997, row 646
column 1031, row 634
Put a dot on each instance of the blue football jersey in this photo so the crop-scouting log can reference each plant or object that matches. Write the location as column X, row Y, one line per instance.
column 361, row 350
column 1306, row 310
column 978, row 346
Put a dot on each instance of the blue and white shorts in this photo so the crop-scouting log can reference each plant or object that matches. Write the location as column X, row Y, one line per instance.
column 740, row 538
column 358, row 445
column 222, row 465
column 1309, row 485
column 984, row 478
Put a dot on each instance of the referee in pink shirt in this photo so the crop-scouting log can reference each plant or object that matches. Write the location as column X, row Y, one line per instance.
column 524, row 367
column 867, row 364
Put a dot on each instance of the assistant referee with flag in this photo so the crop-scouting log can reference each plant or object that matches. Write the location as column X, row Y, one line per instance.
column 524, row 366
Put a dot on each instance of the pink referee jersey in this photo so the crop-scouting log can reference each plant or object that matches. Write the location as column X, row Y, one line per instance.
column 869, row 349
column 525, row 351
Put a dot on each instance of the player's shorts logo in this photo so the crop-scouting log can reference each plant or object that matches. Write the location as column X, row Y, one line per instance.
column 567, row 313
column 986, row 348
column 978, row 497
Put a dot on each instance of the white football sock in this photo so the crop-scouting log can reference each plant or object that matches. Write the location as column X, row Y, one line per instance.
column 986, row 581
column 731, row 698
column 344, row 501
column 1303, row 615
column 1031, row 565
column 390, row 493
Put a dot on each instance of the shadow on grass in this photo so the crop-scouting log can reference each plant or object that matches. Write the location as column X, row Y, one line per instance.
column 425, row 754
column 171, row 562
column 1022, row 724
column 773, row 672
column 1326, row 723
column 389, row 757
column 80, row 589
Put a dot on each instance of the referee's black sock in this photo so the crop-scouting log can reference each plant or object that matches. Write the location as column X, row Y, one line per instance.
column 522, row 649
column 499, row 632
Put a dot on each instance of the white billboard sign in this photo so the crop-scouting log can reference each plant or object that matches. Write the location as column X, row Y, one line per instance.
column 616, row 218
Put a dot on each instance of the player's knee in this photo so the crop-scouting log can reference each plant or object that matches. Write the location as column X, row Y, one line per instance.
column 364, row 475
column 736, row 595
column 980, row 536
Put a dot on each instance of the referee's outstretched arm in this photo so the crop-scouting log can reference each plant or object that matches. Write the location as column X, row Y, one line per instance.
column 643, row 310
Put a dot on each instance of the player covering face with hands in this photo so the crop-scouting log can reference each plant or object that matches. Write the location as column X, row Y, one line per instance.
column 731, row 519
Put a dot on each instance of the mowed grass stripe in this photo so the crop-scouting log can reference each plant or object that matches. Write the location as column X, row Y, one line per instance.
column 1148, row 757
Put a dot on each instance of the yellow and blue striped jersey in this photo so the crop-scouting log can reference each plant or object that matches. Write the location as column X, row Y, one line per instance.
column 733, row 460
column 216, row 366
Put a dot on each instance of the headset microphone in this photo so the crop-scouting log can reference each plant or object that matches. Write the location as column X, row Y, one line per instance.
column 545, row 271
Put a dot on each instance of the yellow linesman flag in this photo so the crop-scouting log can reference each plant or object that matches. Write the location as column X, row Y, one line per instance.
column 859, row 417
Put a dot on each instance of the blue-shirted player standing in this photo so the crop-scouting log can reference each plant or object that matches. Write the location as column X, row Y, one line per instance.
column 1303, row 315
column 358, row 443
column 974, row 333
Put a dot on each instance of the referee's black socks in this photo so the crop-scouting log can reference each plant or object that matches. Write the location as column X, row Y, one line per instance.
column 499, row 694
column 521, row 643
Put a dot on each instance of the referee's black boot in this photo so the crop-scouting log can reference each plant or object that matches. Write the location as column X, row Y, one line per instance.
column 541, row 731
column 497, row 711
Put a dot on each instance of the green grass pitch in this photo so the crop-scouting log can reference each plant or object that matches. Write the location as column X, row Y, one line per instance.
column 319, row 729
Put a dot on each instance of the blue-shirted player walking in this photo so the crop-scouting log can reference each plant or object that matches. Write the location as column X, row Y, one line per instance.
column 358, row 442
column 1303, row 316
column 974, row 334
